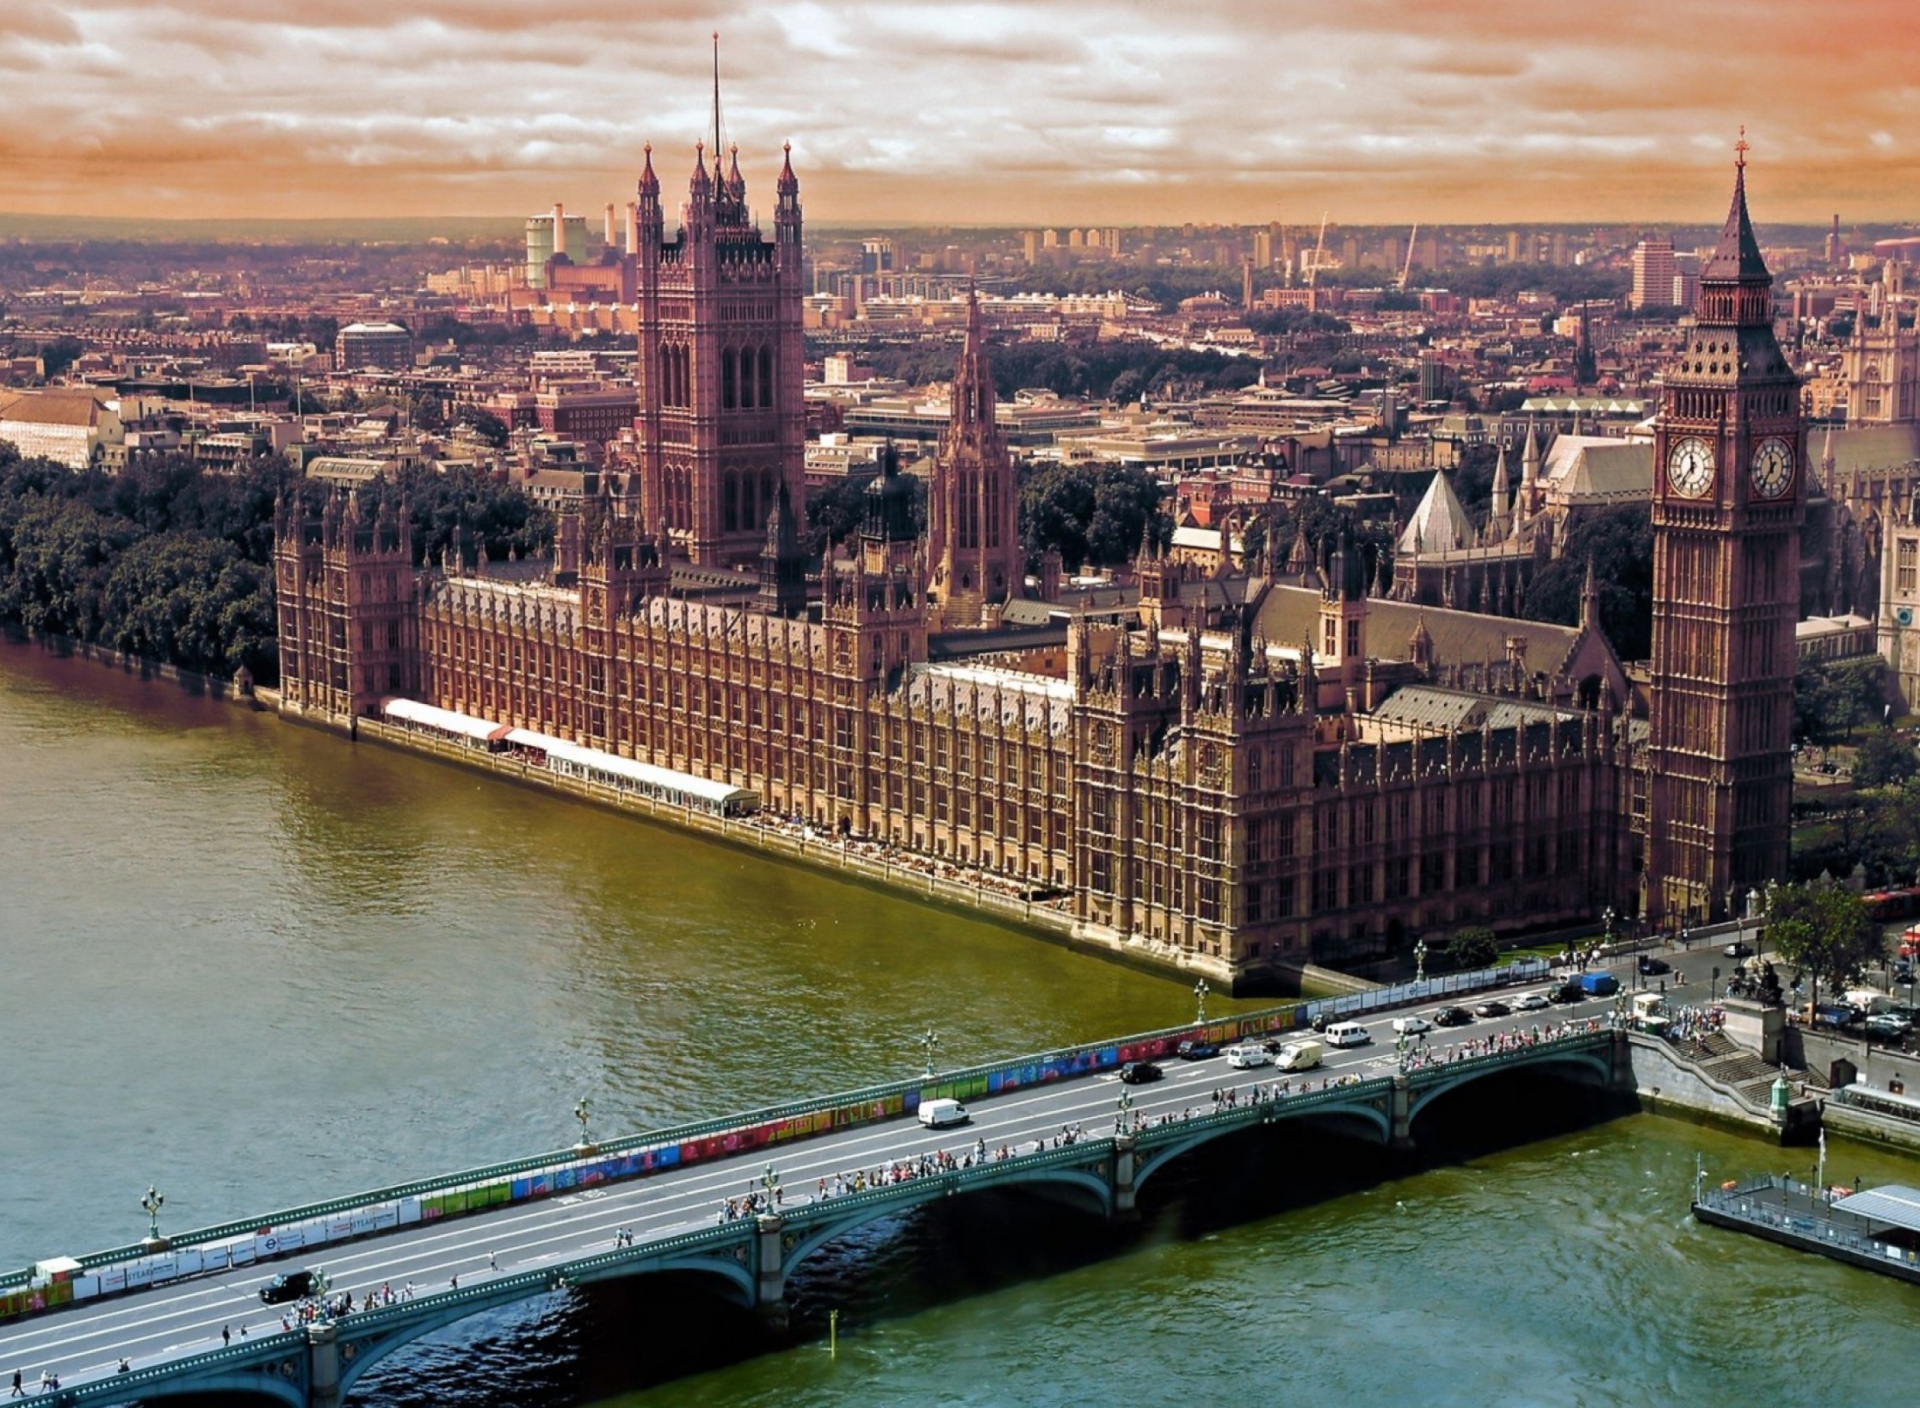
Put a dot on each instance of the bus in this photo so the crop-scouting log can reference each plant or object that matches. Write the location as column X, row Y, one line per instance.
column 1885, row 905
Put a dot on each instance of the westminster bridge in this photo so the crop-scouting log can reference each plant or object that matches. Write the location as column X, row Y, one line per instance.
column 740, row 1201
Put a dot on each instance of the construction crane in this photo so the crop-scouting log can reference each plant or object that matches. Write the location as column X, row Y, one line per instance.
column 1319, row 250
column 1406, row 269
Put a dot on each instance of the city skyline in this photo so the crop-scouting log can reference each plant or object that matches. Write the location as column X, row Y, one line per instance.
column 1074, row 111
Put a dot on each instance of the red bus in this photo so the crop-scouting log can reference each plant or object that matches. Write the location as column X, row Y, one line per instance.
column 1885, row 905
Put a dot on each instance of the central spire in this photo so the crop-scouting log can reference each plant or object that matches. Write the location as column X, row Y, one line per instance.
column 717, row 95
column 1737, row 255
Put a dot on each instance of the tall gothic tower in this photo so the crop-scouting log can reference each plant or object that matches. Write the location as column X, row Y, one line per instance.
column 1728, row 497
column 973, row 512
column 721, row 423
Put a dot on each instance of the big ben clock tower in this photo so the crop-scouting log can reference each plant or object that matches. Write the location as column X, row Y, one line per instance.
column 1729, row 493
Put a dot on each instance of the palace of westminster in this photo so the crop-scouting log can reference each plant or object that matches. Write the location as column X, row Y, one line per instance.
column 1234, row 773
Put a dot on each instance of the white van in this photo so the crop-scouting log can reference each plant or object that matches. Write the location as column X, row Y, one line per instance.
column 1247, row 1054
column 1347, row 1034
column 1299, row 1056
column 938, row 1114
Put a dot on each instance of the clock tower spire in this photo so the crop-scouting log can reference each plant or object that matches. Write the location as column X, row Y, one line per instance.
column 1729, row 494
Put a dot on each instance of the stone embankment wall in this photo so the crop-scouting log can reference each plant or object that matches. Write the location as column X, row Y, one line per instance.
column 1669, row 1085
column 190, row 681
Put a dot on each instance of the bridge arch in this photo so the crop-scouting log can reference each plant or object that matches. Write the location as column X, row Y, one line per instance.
column 1087, row 1188
column 1593, row 1061
column 361, row 1352
column 1374, row 1122
column 239, row 1385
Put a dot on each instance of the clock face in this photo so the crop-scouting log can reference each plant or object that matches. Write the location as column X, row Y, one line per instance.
column 1772, row 468
column 1690, row 467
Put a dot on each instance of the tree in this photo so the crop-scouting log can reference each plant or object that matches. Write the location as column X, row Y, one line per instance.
column 484, row 423
column 1823, row 928
column 1473, row 947
column 1885, row 759
column 1619, row 543
column 1833, row 699
column 1090, row 514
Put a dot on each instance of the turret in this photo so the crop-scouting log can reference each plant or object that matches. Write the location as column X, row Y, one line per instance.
column 1502, row 498
column 786, row 219
column 1530, row 469
column 649, row 225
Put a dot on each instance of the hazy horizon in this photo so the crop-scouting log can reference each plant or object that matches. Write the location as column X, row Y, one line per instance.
column 992, row 114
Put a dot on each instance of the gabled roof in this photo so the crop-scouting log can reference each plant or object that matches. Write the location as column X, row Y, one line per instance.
column 1289, row 614
column 1600, row 467
column 1439, row 524
column 60, row 406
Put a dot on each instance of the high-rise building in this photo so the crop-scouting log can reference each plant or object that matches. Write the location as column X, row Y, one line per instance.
column 721, row 425
column 973, row 506
column 1653, row 274
column 1728, row 499
column 1263, row 249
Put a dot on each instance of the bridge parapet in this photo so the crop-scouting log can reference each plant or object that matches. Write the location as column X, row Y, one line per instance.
column 274, row 1366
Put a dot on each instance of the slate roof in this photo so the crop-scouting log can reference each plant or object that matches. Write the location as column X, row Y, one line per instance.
column 1600, row 467
column 1289, row 614
column 1439, row 524
column 1431, row 708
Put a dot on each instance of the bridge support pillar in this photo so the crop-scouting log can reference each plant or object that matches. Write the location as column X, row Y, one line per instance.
column 1126, row 1163
column 323, row 1367
column 1620, row 1075
column 770, row 1268
column 1400, row 1112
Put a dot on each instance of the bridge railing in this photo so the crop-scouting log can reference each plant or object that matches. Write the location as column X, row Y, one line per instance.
column 1595, row 1035
column 122, row 1388
column 268, row 1236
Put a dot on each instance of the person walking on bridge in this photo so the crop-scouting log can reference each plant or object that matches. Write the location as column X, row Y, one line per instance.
column 18, row 1392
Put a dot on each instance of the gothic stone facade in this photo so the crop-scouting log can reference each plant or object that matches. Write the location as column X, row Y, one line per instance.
column 1194, row 794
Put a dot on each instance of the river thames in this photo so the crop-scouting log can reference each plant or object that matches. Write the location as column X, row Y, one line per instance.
column 253, row 964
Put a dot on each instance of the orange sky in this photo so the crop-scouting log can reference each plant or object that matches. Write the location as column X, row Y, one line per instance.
column 1008, row 112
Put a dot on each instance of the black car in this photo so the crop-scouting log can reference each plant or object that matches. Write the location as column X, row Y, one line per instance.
column 1140, row 1073
column 1738, row 949
column 1492, row 1007
column 1652, row 967
column 290, row 1286
column 1452, row 1017
column 1567, row 993
column 1197, row 1050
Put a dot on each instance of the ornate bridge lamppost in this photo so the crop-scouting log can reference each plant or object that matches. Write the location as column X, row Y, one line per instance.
column 583, row 1111
column 930, row 1043
column 1123, row 1121
column 1400, row 1051
column 1420, row 959
column 1200, row 991
column 151, row 1204
column 770, row 1185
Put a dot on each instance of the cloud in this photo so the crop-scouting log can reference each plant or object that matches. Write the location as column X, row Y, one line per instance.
column 1014, row 111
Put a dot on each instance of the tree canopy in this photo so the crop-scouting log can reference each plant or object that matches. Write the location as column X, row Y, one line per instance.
column 1092, row 515
column 175, row 562
column 1884, row 759
column 1823, row 928
column 1619, row 543
column 1831, row 700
